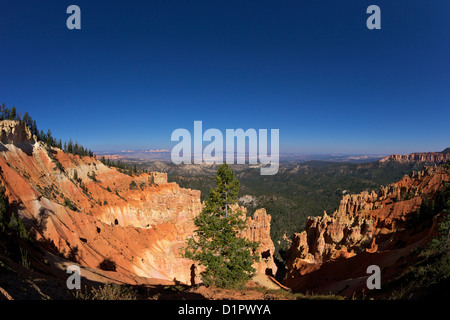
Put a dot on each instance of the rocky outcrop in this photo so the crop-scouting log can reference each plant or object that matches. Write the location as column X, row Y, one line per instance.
column 90, row 213
column 436, row 157
column 259, row 231
column 364, row 223
column 15, row 132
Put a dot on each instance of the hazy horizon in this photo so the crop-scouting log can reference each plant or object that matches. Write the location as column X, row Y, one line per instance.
column 165, row 156
column 106, row 150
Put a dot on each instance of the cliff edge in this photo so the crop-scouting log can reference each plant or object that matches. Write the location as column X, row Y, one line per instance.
column 334, row 251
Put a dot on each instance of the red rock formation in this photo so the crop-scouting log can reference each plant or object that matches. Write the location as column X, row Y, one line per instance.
column 89, row 212
column 259, row 231
column 141, row 229
column 365, row 223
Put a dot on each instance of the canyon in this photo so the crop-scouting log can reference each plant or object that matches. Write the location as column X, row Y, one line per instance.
column 334, row 251
column 132, row 228
column 93, row 215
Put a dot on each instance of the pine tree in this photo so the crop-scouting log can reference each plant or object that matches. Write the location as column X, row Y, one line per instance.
column 41, row 135
column 34, row 129
column 2, row 111
column 25, row 118
column 70, row 146
column 49, row 138
column 226, row 192
column 217, row 245
column 13, row 113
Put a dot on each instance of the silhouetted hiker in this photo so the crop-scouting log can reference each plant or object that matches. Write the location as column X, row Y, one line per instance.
column 193, row 269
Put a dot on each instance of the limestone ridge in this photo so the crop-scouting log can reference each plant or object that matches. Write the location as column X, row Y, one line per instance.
column 436, row 157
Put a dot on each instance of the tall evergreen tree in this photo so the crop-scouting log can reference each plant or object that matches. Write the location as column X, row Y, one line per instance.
column 217, row 245
column 49, row 138
column 13, row 113
column 226, row 192
column 2, row 111
column 34, row 128
column 70, row 146
column 25, row 118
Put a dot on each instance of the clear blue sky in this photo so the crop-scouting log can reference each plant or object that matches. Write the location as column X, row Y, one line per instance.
column 140, row 69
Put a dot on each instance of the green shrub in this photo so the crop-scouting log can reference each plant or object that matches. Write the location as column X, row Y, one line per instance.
column 133, row 185
column 59, row 166
column 68, row 203
column 92, row 176
column 24, row 258
column 107, row 265
column 108, row 292
column 16, row 224
column 113, row 292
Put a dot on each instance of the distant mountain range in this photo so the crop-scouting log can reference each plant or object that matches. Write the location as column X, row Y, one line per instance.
column 164, row 155
column 436, row 157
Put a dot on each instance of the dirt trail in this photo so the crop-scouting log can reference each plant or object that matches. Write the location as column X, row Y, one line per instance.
column 268, row 282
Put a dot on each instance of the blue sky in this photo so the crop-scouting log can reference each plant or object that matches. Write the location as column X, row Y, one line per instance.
column 137, row 70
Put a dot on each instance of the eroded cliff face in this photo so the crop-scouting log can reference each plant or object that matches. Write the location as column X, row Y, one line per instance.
column 14, row 132
column 259, row 231
column 365, row 223
column 90, row 213
column 436, row 157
